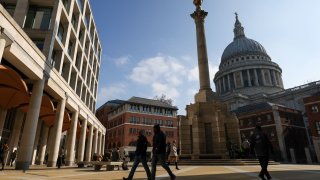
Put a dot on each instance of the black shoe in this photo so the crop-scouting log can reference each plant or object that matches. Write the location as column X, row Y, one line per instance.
column 125, row 178
column 262, row 177
column 177, row 168
column 173, row 177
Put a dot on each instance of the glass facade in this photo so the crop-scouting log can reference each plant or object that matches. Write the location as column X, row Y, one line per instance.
column 38, row 18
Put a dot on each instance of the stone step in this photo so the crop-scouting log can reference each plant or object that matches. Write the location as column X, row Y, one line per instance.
column 223, row 162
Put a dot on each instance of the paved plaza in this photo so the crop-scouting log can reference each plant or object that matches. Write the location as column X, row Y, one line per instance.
column 283, row 172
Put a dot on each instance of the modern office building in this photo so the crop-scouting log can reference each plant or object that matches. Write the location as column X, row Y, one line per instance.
column 124, row 119
column 50, row 62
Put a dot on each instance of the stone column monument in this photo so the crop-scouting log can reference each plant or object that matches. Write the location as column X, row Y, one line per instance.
column 209, row 128
column 205, row 93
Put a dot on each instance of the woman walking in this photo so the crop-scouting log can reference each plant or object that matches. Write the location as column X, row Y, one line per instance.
column 173, row 156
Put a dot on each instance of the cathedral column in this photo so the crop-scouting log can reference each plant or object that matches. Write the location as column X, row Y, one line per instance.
column 249, row 77
column 275, row 78
column 43, row 143
column 224, row 85
column 235, row 80
column 55, row 134
column 82, row 140
column 256, row 77
column 241, row 77
column 229, row 84
column 72, row 139
column 3, row 115
column 2, row 46
column 30, row 127
column 35, row 146
column 220, row 86
column 263, row 77
column 89, row 144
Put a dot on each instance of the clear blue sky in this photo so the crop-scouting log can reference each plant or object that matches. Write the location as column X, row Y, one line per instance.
column 149, row 46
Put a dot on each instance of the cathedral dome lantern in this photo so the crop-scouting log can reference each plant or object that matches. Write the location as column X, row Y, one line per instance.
column 246, row 68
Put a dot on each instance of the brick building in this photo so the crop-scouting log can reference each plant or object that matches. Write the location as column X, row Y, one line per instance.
column 284, row 126
column 312, row 108
column 124, row 119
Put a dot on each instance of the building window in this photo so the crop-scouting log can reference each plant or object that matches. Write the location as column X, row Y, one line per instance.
column 38, row 18
column 318, row 127
column 60, row 32
column 10, row 8
column 269, row 117
column 39, row 43
column 314, row 109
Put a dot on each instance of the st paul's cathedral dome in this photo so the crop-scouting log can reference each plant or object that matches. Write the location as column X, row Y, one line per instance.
column 246, row 68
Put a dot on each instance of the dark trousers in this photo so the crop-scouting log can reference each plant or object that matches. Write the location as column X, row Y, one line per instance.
column 264, row 161
column 137, row 160
column 2, row 162
column 161, row 158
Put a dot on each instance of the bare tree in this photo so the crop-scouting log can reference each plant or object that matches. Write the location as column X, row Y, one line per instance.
column 163, row 98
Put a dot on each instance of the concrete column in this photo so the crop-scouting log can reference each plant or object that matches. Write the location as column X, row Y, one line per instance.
column 256, row 77
column 89, row 144
column 99, row 142
column 30, row 127
column 55, row 134
column 43, row 143
column 95, row 142
column 3, row 115
column 14, row 139
column 72, row 139
column 103, row 144
column 82, row 140
column 249, row 78
column 20, row 14
column 35, row 146
column 2, row 46
column 293, row 156
column 316, row 143
column 280, row 135
column 308, row 156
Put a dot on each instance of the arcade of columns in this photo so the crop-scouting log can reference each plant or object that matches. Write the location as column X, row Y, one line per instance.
column 39, row 119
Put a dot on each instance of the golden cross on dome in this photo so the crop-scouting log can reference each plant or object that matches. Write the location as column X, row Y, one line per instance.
column 197, row 2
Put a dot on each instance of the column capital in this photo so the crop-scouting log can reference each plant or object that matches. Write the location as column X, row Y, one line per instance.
column 199, row 15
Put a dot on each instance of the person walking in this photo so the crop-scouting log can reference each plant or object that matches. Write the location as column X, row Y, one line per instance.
column 140, row 156
column 13, row 157
column 173, row 156
column 59, row 159
column 3, row 149
column 262, row 147
column 159, row 152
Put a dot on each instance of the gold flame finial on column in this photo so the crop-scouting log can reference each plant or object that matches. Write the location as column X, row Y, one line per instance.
column 197, row 2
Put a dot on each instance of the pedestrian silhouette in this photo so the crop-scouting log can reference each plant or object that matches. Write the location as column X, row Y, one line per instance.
column 159, row 152
column 140, row 156
column 262, row 146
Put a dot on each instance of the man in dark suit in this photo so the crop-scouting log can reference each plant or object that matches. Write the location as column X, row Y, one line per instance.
column 159, row 152
column 140, row 156
column 262, row 146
